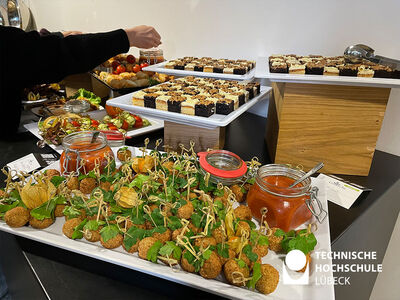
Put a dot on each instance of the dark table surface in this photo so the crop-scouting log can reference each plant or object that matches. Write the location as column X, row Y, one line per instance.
column 64, row 274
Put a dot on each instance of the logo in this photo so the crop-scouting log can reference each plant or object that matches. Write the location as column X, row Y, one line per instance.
column 295, row 261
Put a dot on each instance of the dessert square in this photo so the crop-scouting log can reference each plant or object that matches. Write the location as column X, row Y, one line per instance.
column 162, row 102
column 331, row 71
column 278, row 67
column 382, row 71
column 365, row 71
column 150, row 100
column 205, row 108
column 348, row 70
column 174, row 103
column 314, row 68
column 224, row 106
column 296, row 68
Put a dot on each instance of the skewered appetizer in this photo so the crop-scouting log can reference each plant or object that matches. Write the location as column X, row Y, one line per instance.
column 160, row 206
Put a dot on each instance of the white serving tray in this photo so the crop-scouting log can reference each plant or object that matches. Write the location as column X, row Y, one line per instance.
column 159, row 68
column 53, row 236
column 216, row 120
column 97, row 115
column 262, row 71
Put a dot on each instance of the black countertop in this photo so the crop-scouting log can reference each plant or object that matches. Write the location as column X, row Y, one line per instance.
column 65, row 274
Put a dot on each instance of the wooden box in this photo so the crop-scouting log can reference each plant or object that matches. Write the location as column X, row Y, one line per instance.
column 336, row 124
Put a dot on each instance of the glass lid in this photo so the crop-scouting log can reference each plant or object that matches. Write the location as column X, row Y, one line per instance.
column 222, row 163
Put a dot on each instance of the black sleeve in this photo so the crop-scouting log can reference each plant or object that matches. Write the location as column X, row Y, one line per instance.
column 27, row 58
column 40, row 59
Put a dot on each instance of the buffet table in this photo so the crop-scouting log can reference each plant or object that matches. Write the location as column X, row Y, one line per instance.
column 42, row 271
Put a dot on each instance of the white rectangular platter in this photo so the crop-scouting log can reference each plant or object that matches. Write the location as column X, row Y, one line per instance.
column 216, row 120
column 53, row 236
column 262, row 71
column 160, row 68
column 97, row 115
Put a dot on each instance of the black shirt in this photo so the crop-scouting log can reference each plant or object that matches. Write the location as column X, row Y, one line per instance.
column 27, row 58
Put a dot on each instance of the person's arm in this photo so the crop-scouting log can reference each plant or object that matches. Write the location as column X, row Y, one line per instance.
column 32, row 58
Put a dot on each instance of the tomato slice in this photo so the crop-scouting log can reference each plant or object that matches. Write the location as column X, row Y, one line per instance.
column 120, row 69
column 95, row 123
column 125, row 125
column 138, row 122
column 113, row 111
column 75, row 123
column 115, row 64
column 144, row 65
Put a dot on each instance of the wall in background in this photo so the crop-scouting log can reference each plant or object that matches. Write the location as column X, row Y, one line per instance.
column 245, row 29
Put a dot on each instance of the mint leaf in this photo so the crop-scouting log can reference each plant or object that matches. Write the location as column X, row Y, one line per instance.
column 223, row 250
column 219, row 192
column 71, row 212
column 256, row 276
column 77, row 234
column 132, row 236
column 44, row 211
column 241, row 263
column 109, row 232
column 139, row 181
column 170, row 248
column 249, row 253
column 153, row 251
column 196, row 219
column 93, row 225
column 279, row 232
column 57, row 180
column 174, row 223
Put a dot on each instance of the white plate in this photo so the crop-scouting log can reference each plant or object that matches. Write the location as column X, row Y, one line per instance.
column 97, row 115
column 262, row 71
column 159, row 68
column 35, row 101
column 216, row 120
column 53, row 236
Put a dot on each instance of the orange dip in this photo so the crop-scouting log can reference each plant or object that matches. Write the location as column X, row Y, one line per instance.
column 286, row 206
column 90, row 154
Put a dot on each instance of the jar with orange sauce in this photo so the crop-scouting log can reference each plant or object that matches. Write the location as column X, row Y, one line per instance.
column 82, row 152
column 151, row 56
column 287, row 208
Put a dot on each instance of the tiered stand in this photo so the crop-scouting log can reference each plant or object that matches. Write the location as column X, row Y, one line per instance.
column 334, row 119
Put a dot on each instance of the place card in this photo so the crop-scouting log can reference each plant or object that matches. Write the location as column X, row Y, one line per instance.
column 26, row 164
column 340, row 191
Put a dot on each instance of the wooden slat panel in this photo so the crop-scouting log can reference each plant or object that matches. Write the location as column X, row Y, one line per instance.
column 335, row 124
column 175, row 134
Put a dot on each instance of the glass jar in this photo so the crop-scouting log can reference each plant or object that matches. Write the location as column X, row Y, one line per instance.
column 81, row 154
column 151, row 56
column 77, row 106
column 224, row 166
column 287, row 207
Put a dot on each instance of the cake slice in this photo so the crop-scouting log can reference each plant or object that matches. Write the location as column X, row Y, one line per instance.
column 382, row 71
column 150, row 100
column 188, row 106
column 296, row 68
column 162, row 102
column 175, row 103
column 365, row 71
column 218, row 68
column 138, row 98
column 278, row 67
column 204, row 108
column 314, row 68
column 208, row 68
column 224, row 106
column 239, row 70
column 348, row 70
column 331, row 71
column 227, row 70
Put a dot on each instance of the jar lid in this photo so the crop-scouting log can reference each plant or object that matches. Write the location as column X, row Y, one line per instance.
column 222, row 163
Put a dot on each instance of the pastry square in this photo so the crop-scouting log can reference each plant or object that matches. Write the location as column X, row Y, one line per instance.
column 204, row 108
column 331, row 71
column 174, row 103
column 180, row 66
column 188, row 106
column 227, row 70
column 162, row 102
column 382, row 71
column 189, row 67
column 198, row 68
column 314, row 68
column 278, row 67
column 296, row 68
column 224, row 106
column 150, row 100
column 365, row 71
column 208, row 69
column 218, row 69
column 348, row 70
column 239, row 70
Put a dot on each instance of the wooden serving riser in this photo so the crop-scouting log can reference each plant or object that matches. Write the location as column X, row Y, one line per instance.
column 336, row 124
column 176, row 134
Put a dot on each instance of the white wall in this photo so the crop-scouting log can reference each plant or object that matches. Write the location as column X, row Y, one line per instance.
column 247, row 29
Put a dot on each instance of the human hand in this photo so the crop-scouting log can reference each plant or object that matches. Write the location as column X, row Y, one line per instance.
column 67, row 33
column 143, row 37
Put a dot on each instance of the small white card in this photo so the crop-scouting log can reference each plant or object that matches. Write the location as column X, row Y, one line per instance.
column 26, row 164
column 340, row 192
